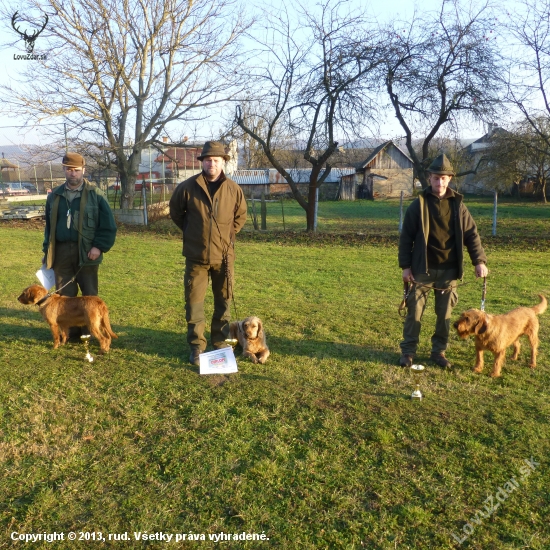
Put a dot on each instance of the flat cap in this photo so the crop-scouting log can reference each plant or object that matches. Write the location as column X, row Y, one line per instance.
column 73, row 160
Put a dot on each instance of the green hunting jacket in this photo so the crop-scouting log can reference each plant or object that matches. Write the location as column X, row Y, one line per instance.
column 209, row 224
column 96, row 228
column 413, row 241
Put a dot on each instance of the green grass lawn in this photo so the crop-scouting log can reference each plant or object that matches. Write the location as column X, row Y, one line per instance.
column 322, row 447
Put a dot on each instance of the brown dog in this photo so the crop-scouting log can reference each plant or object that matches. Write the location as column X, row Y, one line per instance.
column 62, row 312
column 497, row 332
column 251, row 337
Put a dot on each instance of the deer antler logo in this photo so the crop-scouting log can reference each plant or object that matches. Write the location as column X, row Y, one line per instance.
column 29, row 39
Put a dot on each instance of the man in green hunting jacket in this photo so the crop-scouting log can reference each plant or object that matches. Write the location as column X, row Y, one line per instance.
column 437, row 226
column 210, row 209
column 80, row 227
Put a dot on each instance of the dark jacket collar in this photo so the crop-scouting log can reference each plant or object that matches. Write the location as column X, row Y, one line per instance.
column 450, row 193
column 220, row 180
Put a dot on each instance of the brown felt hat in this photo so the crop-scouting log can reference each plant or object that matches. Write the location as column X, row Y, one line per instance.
column 442, row 166
column 73, row 160
column 213, row 149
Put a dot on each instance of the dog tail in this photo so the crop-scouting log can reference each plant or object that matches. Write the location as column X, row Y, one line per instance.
column 106, row 324
column 540, row 308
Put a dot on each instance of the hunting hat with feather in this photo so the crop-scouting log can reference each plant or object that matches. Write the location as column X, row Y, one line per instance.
column 442, row 166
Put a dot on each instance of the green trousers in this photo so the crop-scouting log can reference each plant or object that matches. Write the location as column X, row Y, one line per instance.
column 65, row 266
column 416, row 304
column 196, row 282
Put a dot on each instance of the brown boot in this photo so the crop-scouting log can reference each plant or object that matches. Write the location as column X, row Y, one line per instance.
column 194, row 357
column 440, row 360
column 406, row 360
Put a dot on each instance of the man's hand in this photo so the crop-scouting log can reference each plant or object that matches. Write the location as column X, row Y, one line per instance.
column 407, row 275
column 94, row 253
column 481, row 270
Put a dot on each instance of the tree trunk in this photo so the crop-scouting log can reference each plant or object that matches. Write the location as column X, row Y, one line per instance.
column 310, row 212
column 128, row 174
column 127, row 190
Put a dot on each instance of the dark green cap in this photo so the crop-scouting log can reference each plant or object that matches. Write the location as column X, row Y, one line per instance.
column 442, row 166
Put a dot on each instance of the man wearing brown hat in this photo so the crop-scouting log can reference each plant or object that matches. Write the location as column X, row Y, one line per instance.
column 437, row 226
column 210, row 209
column 80, row 227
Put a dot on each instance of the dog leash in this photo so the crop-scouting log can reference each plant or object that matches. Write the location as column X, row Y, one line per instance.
column 483, row 294
column 407, row 289
column 225, row 263
column 50, row 294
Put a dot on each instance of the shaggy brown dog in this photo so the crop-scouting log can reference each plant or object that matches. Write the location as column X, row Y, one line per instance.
column 497, row 332
column 62, row 312
column 251, row 337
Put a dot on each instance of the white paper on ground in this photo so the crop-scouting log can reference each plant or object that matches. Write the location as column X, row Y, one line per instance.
column 46, row 277
column 219, row 361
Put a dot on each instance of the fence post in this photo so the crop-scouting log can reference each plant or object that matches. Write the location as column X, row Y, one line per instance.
column 144, row 193
column 495, row 215
column 116, row 192
column 263, row 210
column 254, row 217
column 315, row 209
column 401, row 213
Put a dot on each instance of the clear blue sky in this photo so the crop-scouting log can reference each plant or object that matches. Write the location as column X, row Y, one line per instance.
column 382, row 10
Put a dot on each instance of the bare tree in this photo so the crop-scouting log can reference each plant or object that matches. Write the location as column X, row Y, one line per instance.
column 123, row 71
column 529, row 81
column 315, row 87
column 442, row 68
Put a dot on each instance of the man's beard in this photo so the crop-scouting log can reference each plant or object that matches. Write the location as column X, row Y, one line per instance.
column 75, row 182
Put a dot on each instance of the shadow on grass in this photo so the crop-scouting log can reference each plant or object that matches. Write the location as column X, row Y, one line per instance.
column 173, row 345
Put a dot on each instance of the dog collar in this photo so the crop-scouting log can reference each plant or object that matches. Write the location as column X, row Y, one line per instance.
column 42, row 300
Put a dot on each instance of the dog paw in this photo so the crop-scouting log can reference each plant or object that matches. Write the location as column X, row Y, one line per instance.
column 478, row 370
column 495, row 374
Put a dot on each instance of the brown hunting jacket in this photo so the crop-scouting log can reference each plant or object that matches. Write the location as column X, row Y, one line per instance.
column 413, row 241
column 209, row 224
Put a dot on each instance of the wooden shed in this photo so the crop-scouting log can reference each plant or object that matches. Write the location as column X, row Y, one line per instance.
column 384, row 173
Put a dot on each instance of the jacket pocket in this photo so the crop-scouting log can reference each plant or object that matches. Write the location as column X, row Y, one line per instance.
column 91, row 218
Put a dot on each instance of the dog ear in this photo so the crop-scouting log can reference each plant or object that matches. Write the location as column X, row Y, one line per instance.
column 260, row 328
column 481, row 326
